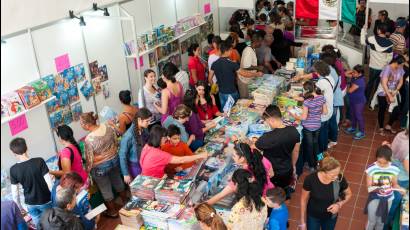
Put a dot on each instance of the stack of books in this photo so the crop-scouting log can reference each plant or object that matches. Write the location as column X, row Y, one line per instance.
column 156, row 214
column 173, row 191
column 143, row 187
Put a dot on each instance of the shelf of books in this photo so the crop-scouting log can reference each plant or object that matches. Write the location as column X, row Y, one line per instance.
column 7, row 119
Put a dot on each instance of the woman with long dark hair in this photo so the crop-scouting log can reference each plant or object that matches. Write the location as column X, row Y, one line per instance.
column 195, row 66
column 149, row 95
column 132, row 143
column 127, row 116
column 171, row 96
column 205, row 102
column 252, row 161
column 69, row 158
column 249, row 209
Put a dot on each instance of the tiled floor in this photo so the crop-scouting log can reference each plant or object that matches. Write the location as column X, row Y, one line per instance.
column 354, row 156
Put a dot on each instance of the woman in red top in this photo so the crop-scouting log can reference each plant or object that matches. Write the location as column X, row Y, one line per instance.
column 205, row 102
column 195, row 66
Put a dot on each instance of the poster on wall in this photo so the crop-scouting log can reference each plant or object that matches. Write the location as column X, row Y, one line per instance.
column 106, row 90
column 18, row 125
column 103, row 73
column 86, row 89
column 76, row 110
column 79, row 72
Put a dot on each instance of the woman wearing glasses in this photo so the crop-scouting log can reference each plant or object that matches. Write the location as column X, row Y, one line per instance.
column 252, row 161
column 323, row 195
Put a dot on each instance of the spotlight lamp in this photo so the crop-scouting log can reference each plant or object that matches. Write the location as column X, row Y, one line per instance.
column 95, row 8
column 81, row 18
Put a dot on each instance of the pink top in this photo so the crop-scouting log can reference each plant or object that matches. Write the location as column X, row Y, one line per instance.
column 153, row 161
column 268, row 166
column 339, row 67
column 77, row 164
column 173, row 102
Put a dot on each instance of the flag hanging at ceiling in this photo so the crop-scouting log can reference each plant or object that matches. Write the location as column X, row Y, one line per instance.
column 348, row 14
column 317, row 9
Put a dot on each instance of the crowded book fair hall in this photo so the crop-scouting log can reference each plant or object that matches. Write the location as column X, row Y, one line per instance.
column 205, row 114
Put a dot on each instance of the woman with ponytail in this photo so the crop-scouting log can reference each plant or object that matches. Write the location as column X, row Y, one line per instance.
column 249, row 209
column 69, row 158
column 255, row 163
column 208, row 218
column 314, row 105
column 132, row 143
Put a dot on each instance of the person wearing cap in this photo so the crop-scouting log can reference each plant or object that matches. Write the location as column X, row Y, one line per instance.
column 383, row 18
column 397, row 38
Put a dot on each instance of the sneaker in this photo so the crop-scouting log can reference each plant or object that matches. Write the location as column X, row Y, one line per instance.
column 359, row 135
column 331, row 144
column 349, row 130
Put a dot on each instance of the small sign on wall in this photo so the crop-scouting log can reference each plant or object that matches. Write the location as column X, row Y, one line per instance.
column 62, row 62
column 207, row 8
column 18, row 125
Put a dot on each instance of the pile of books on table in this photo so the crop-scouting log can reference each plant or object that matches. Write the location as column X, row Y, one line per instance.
column 173, row 191
column 186, row 221
column 143, row 187
column 157, row 213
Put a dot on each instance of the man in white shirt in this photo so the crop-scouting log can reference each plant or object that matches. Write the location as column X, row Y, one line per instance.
column 249, row 60
column 326, row 84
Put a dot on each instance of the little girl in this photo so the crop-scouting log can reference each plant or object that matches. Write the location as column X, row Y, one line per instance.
column 314, row 106
column 357, row 99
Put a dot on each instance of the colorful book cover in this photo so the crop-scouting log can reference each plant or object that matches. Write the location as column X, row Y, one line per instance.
column 73, row 94
column 76, row 110
column 52, row 106
column 28, row 96
column 103, row 73
column 106, row 90
column 56, row 119
column 94, row 69
column 79, row 72
column 50, row 81
column 86, row 89
column 59, row 84
column 97, row 84
column 42, row 89
column 63, row 98
column 67, row 115
column 69, row 78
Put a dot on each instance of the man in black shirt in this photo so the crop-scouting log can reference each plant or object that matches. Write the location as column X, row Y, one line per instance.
column 280, row 146
column 33, row 175
column 226, row 72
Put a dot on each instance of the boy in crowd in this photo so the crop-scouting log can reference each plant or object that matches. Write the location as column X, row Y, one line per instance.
column 176, row 147
column 33, row 175
column 226, row 74
column 275, row 199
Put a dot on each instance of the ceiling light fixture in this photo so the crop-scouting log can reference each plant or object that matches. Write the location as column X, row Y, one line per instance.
column 95, row 8
column 81, row 18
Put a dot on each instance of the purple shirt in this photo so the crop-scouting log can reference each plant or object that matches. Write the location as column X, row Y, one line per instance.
column 289, row 36
column 194, row 126
column 358, row 96
column 11, row 218
column 393, row 77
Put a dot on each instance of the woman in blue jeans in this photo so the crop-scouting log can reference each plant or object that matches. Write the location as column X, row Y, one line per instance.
column 324, row 193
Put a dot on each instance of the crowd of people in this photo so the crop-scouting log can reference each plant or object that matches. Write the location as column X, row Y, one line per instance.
column 175, row 111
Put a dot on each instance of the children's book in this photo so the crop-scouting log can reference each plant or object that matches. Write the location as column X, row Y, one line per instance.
column 42, row 89
column 4, row 111
column 86, row 89
column 73, row 94
column 60, row 84
column 63, row 98
column 103, row 73
column 79, row 72
column 50, row 81
column 56, row 119
column 52, row 105
column 67, row 115
column 76, row 110
column 69, row 77
column 28, row 96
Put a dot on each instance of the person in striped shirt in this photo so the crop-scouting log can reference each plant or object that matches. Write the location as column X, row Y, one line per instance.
column 397, row 38
column 314, row 105
column 381, row 184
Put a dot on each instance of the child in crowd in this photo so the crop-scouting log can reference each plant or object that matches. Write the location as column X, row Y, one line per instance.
column 178, row 118
column 176, row 147
column 208, row 218
column 275, row 199
column 381, row 183
column 357, row 99
column 261, row 22
column 33, row 175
